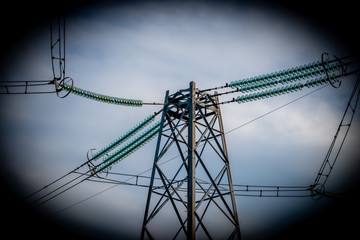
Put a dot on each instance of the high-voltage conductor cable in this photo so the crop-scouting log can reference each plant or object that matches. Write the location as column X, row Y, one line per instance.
column 275, row 109
column 66, row 189
column 88, row 174
column 102, row 191
column 111, row 160
column 60, row 187
column 96, row 156
column 175, row 157
column 126, row 151
column 103, row 151
column 260, row 193
column 117, row 156
column 55, row 181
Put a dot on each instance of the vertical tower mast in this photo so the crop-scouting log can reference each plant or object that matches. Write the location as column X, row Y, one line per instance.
column 191, row 165
column 191, row 196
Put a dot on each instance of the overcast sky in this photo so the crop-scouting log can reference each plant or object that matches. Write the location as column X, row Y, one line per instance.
column 141, row 50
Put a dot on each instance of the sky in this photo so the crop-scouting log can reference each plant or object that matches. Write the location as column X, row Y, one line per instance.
column 141, row 50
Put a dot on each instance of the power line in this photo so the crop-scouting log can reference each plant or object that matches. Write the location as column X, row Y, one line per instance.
column 94, row 195
column 274, row 110
column 171, row 159
column 55, row 181
column 299, row 73
column 109, row 160
column 252, row 193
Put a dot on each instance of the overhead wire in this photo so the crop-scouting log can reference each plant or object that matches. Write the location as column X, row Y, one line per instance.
column 55, row 181
column 259, row 82
column 32, row 204
column 276, row 109
column 310, row 70
column 225, row 133
column 108, row 161
column 109, row 188
column 57, row 191
column 131, row 177
column 260, row 193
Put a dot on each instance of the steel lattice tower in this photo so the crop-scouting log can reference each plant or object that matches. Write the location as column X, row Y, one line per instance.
column 194, row 194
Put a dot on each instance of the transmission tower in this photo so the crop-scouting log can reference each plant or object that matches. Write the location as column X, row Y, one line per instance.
column 199, row 184
column 189, row 193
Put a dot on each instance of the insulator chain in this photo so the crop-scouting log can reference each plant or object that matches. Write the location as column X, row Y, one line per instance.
column 124, row 137
column 110, row 158
column 99, row 97
column 328, row 71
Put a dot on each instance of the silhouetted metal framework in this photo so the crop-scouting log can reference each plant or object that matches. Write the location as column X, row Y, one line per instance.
column 318, row 187
column 191, row 126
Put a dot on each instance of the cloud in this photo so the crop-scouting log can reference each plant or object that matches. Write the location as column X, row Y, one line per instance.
column 140, row 51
